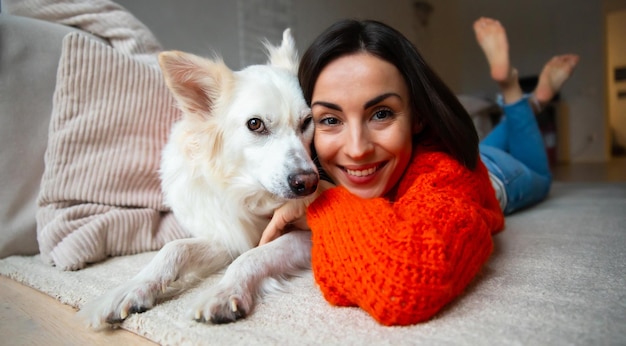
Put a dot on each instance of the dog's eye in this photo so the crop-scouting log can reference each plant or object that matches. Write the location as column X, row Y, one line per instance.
column 306, row 123
column 256, row 125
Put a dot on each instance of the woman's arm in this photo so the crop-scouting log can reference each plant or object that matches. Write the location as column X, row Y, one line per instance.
column 403, row 261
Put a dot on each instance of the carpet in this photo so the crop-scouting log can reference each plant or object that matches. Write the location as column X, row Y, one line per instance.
column 557, row 277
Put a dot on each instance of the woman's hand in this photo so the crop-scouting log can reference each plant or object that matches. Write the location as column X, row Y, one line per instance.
column 283, row 217
column 292, row 215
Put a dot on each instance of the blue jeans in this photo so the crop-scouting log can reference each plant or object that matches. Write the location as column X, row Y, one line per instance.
column 514, row 152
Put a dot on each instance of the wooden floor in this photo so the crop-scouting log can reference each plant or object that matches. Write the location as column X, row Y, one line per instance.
column 28, row 317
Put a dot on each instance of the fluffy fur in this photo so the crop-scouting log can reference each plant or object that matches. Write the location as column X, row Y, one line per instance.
column 240, row 151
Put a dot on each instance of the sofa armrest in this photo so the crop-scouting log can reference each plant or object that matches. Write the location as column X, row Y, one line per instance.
column 29, row 56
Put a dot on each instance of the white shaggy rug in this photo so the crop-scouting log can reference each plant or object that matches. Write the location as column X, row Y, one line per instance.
column 557, row 277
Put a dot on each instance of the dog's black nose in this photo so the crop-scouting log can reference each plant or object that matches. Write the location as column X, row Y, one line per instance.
column 303, row 184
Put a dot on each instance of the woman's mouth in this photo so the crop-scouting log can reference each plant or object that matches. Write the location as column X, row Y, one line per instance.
column 362, row 172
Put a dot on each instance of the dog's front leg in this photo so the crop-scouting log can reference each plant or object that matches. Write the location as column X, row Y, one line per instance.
column 233, row 297
column 172, row 262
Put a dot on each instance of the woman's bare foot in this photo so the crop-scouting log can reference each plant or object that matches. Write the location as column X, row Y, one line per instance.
column 491, row 37
column 554, row 74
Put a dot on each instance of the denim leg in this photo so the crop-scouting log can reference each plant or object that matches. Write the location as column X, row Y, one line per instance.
column 516, row 154
column 498, row 137
column 524, row 187
column 525, row 141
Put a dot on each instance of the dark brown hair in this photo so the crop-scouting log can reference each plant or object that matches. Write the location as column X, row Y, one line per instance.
column 432, row 102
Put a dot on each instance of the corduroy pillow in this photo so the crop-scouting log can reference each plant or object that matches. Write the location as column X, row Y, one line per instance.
column 100, row 193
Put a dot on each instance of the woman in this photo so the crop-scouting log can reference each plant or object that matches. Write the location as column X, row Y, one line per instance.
column 409, row 224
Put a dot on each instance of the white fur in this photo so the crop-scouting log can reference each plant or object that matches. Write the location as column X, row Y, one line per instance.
column 223, row 182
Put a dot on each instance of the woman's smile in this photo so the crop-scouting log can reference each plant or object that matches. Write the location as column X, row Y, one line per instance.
column 364, row 173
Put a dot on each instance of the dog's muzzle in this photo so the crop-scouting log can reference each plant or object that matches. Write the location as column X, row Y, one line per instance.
column 303, row 184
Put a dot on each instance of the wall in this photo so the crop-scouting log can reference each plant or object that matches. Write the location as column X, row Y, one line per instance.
column 195, row 26
column 537, row 30
column 314, row 16
column 204, row 27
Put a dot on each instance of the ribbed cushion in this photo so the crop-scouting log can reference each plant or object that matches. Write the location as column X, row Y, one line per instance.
column 100, row 194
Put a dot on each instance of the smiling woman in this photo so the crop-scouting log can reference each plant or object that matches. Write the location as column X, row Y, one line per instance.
column 409, row 223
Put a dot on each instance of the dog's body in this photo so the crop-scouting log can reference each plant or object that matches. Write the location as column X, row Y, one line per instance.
column 240, row 151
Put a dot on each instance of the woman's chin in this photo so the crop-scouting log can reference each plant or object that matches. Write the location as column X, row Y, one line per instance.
column 365, row 193
column 363, row 186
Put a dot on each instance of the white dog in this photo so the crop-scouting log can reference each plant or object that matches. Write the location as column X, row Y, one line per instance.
column 240, row 151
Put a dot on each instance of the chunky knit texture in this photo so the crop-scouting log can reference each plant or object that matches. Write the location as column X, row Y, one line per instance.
column 403, row 260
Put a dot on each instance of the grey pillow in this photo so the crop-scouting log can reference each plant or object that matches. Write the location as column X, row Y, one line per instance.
column 29, row 56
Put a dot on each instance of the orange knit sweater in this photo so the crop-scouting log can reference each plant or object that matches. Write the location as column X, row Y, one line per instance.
column 403, row 260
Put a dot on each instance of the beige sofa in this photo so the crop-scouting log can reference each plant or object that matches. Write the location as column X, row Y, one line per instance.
column 84, row 94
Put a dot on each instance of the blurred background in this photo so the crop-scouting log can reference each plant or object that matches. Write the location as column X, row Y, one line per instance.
column 586, row 124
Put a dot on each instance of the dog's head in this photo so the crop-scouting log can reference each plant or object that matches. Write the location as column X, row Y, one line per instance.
column 250, row 129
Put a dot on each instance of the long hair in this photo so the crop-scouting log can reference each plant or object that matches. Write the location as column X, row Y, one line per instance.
column 433, row 104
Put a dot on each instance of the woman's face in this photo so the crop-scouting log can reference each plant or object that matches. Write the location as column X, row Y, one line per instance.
column 363, row 127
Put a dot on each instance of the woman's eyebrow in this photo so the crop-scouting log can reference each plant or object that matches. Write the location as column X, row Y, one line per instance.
column 378, row 99
column 327, row 105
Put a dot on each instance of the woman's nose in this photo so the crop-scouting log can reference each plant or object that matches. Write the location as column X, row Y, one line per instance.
column 358, row 144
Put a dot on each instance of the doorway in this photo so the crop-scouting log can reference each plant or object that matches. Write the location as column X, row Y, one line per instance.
column 616, row 77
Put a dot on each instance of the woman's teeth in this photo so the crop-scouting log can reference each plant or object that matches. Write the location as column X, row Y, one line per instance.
column 361, row 173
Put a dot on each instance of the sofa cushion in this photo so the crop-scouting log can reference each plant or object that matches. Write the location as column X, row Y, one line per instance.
column 100, row 193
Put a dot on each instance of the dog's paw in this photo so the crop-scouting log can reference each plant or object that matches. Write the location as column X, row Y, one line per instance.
column 114, row 307
column 223, row 305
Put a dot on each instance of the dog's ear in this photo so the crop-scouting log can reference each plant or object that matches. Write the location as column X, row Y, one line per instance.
column 195, row 82
column 285, row 56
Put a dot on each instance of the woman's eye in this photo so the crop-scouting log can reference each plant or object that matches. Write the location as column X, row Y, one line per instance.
column 329, row 121
column 382, row 114
column 256, row 125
